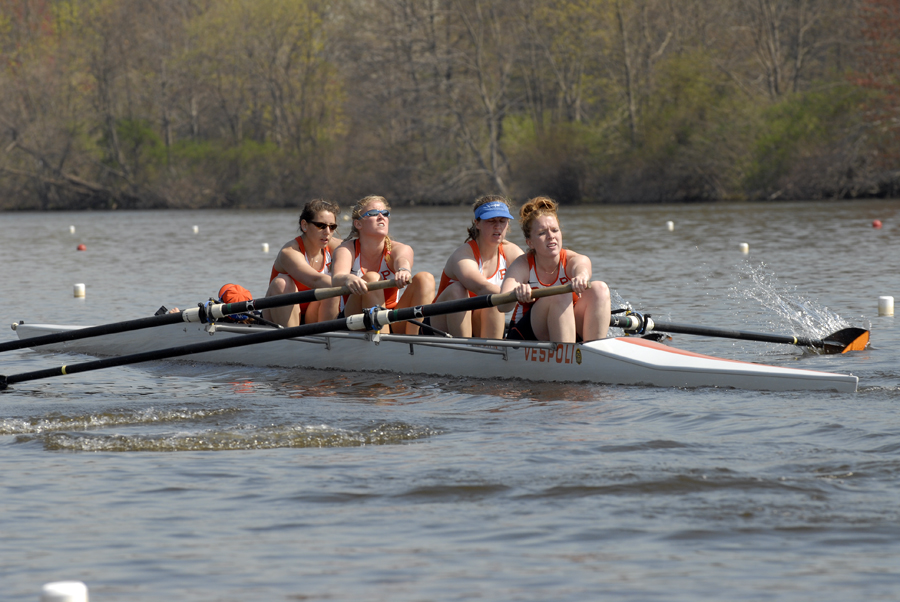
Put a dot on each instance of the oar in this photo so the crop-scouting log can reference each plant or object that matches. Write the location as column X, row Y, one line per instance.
column 203, row 314
column 842, row 341
column 372, row 319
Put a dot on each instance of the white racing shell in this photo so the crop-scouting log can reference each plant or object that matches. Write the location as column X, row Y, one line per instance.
column 616, row 361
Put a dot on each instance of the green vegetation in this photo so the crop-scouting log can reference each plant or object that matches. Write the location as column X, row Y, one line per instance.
column 267, row 103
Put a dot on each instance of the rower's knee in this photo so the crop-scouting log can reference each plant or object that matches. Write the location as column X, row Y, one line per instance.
column 599, row 290
column 453, row 292
column 281, row 285
column 424, row 281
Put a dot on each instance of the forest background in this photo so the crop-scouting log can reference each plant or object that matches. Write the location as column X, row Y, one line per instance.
column 110, row 104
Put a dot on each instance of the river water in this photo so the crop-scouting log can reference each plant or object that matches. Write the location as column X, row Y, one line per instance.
column 194, row 482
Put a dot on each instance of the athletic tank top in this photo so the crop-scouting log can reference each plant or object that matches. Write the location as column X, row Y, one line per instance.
column 326, row 269
column 390, row 294
column 536, row 283
column 495, row 278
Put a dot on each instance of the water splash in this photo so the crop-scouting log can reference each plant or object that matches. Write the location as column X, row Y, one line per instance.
column 236, row 438
column 805, row 316
column 62, row 422
column 617, row 301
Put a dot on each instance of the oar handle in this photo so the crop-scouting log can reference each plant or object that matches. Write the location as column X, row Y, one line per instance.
column 326, row 293
column 537, row 293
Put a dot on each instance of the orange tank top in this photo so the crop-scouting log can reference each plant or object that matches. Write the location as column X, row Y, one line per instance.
column 390, row 294
column 495, row 278
column 535, row 282
column 326, row 268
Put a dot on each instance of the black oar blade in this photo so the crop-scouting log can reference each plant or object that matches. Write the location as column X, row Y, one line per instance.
column 846, row 339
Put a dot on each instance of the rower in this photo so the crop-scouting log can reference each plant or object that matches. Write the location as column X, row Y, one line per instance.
column 583, row 315
column 369, row 254
column 305, row 263
column 477, row 267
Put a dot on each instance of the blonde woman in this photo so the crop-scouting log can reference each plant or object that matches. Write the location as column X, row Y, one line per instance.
column 583, row 315
column 304, row 263
column 368, row 255
column 477, row 267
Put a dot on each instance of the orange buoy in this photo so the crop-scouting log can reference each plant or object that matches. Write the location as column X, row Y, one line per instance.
column 82, row 248
column 876, row 223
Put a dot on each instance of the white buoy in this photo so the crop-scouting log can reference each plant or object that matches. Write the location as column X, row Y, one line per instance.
column 196, row 229
column 71, row 229
column 64, row 591
column 670, row 226
column 885, row 306
column 265, row 247
column 346, row 218
column 744, row 247
column 79, row 290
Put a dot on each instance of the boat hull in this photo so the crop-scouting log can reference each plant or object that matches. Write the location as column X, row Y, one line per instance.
column 620, row 361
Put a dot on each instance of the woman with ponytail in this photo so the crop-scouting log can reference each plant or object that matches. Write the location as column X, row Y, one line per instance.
column 477, row 267
column 581, row 316
column 369, row 255
column 303, row 264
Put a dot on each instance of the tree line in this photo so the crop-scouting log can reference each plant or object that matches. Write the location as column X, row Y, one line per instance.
column 268, row 103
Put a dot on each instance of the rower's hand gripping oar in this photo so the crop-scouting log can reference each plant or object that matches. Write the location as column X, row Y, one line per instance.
column 842, row 341
column 375, row 318
column 372, row 319
column 204, row 313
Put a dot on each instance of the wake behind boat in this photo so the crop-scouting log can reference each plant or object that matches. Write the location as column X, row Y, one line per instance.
column 615, row 361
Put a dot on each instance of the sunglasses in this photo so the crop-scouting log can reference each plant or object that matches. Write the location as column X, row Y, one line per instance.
column 374, row 212
column 321, row 226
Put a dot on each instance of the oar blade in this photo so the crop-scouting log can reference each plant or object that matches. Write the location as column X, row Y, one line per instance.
column 846, row 339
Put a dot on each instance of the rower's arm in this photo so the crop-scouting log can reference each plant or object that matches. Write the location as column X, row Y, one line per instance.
column 579, row 270
column 516, row 280
column 294, row 263
column 343, row 262
column 472, row 279
column 402, row 263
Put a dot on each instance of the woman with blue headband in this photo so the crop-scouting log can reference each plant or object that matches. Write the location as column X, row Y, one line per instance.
column 477, row 267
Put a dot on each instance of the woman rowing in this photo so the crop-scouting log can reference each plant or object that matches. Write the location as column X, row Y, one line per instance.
column 583, row 315
column 368, row 255
column 477, row 267
column 304, row 263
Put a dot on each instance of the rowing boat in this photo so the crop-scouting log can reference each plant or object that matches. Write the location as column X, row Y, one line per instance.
column 628, row 360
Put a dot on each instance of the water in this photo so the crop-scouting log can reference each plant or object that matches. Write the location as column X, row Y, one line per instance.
column 195, row 482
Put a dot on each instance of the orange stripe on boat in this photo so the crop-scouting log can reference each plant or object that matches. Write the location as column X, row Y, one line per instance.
column 660, row 347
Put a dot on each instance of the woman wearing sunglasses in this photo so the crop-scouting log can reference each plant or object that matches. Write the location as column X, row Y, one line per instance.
column 303, row 264
column 369, row 254
column 477, row 267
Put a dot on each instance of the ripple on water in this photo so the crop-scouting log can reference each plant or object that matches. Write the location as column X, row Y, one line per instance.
column 230, row 439
column 85, row 432
column 58, row 421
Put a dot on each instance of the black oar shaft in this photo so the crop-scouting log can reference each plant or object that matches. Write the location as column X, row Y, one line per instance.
column 171, row 352
column 218, row 311
column 317, row 294
column 842, row 341
column 92, row 331
column 737, row 334
column 373, row 319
